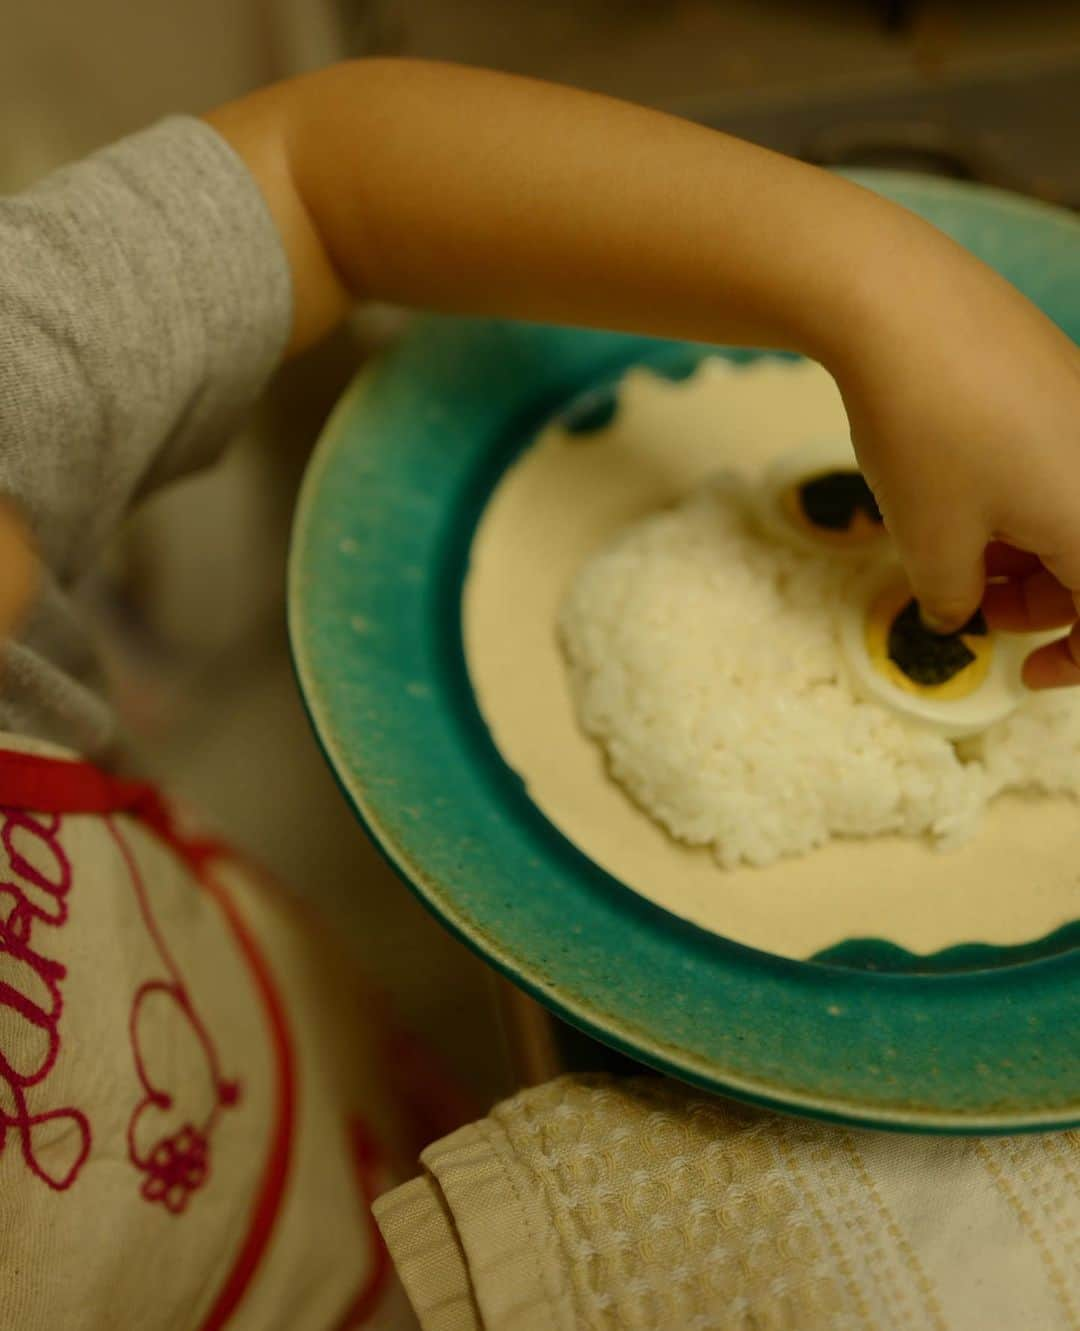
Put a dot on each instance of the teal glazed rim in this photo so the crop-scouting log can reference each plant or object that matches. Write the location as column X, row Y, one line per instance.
column 975, row 1039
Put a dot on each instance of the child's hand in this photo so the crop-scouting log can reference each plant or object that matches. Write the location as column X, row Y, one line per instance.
column 964, row 401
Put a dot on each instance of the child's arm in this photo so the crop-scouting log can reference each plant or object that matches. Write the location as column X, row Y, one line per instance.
column 460, row 190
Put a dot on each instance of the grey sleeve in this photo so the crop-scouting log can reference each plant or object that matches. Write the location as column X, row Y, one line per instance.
column 145, row 299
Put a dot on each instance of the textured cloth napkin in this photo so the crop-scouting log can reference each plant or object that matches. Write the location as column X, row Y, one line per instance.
column 613, row 1205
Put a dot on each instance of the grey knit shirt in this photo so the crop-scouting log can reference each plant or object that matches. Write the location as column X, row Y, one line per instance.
column 144, row 300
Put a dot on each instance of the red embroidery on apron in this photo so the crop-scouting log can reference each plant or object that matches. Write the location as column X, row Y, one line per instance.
column 270, row 1196
column 31, row 782
column 179, row 1164
column 32, row 899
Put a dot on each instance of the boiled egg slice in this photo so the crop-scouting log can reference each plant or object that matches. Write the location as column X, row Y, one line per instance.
column 956, row 684
column 815, row 498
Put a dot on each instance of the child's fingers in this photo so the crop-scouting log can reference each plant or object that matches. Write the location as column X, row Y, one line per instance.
column 1065, row 567
column 945, row 564
column 1006, row 561
column 1029, row 604
column 1055, row 666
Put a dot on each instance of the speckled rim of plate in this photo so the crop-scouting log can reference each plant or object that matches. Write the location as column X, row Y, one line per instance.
column 380, row 550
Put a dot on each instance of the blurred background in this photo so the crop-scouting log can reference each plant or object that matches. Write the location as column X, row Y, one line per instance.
column 190, row 602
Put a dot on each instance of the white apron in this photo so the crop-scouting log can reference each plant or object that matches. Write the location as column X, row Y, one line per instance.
column 195, row 1105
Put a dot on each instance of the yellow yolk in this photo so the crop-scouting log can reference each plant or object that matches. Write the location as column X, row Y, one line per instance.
column 879, row 623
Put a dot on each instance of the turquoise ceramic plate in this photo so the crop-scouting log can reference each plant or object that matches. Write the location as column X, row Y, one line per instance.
column 975, row 1039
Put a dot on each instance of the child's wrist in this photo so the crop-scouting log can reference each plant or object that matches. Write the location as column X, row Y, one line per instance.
column 879, row 291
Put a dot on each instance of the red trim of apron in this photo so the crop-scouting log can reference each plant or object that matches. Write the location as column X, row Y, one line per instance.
column 38, row 784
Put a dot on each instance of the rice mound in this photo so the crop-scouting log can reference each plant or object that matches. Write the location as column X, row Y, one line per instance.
column 704, row 659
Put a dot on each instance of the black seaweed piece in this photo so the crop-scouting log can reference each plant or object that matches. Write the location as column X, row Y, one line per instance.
column 832, row 500
column 927, row 657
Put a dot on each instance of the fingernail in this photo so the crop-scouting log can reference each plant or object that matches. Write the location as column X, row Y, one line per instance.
column 942, row 627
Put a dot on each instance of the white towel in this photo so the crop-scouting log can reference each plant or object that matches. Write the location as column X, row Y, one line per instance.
column 591, row 1204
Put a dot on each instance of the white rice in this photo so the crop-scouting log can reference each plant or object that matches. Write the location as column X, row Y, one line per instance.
column 704, row 660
